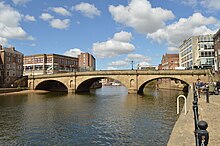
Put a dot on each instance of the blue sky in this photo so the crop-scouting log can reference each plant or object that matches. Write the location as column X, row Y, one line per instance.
column 116, row 32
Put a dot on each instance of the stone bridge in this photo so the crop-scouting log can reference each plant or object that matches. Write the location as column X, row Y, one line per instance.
column 134, row 80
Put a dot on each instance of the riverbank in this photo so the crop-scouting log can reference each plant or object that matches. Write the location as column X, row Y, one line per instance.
column 183, row 131
column 14, row 92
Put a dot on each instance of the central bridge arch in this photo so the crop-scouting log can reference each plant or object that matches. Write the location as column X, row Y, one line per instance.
column 85, row 85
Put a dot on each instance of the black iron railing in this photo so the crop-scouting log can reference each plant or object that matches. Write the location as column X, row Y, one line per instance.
column 201, row 134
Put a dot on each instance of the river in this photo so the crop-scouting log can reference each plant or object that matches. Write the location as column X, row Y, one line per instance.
column 106, row 116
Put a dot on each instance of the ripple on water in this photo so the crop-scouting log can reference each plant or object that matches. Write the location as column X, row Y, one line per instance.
column 109, row 117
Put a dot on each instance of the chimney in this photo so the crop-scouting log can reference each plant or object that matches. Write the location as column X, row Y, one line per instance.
column 13, row 48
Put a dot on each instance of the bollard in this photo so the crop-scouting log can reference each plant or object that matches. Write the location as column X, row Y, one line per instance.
column 207, row 94
column 203, row 135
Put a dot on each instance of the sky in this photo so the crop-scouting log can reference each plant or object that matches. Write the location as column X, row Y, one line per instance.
column 115, row 32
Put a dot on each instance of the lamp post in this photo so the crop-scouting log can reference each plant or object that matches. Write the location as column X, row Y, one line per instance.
column 132, row 64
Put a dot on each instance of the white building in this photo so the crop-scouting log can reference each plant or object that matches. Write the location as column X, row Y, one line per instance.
column 197, row 52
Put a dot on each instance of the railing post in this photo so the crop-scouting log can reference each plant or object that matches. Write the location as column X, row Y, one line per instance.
column 196, row 115
column 207, row 94
column 196, row 119
column 203, row 135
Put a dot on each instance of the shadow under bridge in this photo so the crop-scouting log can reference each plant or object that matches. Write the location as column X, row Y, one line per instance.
column 51, row 85
column 165, row 83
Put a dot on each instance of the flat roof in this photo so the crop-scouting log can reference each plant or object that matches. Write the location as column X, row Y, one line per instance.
column 50, row 55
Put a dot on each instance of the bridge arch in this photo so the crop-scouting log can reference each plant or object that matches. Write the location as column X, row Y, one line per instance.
column 51, row 85
column 141, row 88
column 84, row 86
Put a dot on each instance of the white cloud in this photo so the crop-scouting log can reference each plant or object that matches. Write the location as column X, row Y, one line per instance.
column 55, row 23
column 60, row 24
column 88, row 10
column 137, row 58
column 20, row 2
column 73, row 52
column 33, row 45
column 123, row 36
column 111, row 68
column 46, row 16
column 172, row 49
column 174, row 34
column 140, row 15
column 119, row 44
column 192, row 3
column 12, row 32
column 61, row 11
column 143, row 64
column 211, row 4
column 9, row 16
column 119, row 63
column 10, row 24
column 3, row 41
column 29, row 18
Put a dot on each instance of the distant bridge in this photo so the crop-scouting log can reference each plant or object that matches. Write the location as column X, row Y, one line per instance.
column 133, row 80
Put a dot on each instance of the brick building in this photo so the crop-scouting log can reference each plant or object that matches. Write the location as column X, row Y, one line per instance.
column 170, row 61
column 11, row 66
column 49, row 64
column 87, row 62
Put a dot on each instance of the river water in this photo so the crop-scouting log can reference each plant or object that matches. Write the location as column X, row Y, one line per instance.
column 107, row 116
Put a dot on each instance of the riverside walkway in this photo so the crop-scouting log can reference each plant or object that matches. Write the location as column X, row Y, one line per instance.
column 183, row 131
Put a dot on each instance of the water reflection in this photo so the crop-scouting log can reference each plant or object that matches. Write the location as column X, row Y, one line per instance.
column 109, row 116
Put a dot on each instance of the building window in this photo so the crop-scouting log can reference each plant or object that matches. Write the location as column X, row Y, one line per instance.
column 8, row 66
column 13, row 74
column 19, row 67
column 7, row 79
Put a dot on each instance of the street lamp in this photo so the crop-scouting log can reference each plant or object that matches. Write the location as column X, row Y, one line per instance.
column 132, row 64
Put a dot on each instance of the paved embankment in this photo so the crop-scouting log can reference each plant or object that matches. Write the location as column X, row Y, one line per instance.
column 7, row 90
column 22, row 92
column 183, row 132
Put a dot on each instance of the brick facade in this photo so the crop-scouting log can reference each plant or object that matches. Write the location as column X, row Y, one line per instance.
column 11, row 66
column 170, row 61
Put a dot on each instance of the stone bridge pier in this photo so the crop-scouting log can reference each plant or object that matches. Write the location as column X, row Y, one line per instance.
column 133, row 80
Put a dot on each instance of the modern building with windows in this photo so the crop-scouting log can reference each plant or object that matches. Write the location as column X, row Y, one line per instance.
column 197, row 52
column 11, row 66
column 217, row 50
column 169, row 61
column 49, row 64
column 87, row 62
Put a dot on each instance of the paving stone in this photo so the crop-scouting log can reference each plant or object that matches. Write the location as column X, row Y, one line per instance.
column 183, row 131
